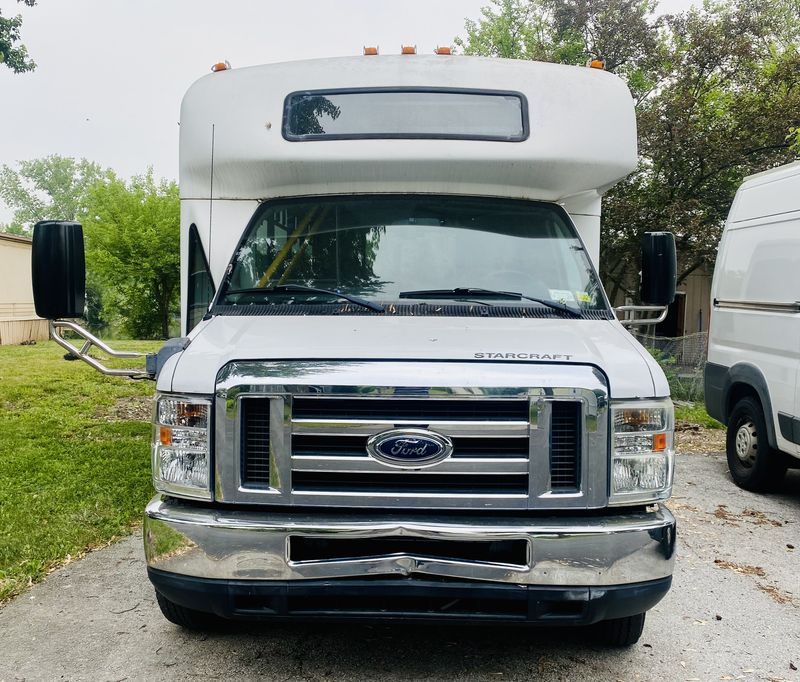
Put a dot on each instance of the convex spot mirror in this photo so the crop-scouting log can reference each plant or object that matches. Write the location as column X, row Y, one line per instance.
column 659, row 268
column 59, row 269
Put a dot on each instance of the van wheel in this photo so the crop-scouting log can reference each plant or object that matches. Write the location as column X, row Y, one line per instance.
column 188, row 618
column 754, row 465
column 620, row 632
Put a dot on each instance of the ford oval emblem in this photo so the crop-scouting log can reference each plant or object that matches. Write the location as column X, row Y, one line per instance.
column 409, row 448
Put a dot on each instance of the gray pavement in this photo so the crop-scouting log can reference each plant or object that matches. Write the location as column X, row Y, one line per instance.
column 733, row 613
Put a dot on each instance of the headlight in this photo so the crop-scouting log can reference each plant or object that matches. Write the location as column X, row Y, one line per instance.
column 641, row 451
column 181, row 447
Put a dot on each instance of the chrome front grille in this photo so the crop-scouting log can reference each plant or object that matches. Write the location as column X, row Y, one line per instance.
column 305, row 444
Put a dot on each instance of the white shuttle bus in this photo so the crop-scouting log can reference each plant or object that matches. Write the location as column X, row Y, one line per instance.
column 752, row 378
column 401, row 391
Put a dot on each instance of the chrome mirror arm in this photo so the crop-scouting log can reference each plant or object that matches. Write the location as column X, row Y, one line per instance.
column 633, row 321
column 90, row 340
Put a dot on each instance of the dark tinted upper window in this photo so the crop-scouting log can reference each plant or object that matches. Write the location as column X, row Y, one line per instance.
column 201, row 286
column 406, row 113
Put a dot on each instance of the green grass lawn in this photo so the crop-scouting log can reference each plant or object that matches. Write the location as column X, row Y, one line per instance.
column 74, row 466
column 695, row 413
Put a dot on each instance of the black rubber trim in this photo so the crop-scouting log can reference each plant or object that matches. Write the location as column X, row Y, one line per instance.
column 790, row 427
column 714, row 378
column 408, row 599
column 719, row 382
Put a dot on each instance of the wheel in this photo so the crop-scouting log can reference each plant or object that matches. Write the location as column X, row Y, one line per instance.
column 187, row 618
column 753, row 464
column 620, row 632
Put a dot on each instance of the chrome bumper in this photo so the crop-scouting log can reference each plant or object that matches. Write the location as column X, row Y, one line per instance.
column 561, row 550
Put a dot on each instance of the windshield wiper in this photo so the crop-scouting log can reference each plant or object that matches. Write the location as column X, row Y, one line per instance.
column 473, row 292
column 302, row 289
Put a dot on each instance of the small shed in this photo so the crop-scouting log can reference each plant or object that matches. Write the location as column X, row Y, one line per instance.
column 18, row 320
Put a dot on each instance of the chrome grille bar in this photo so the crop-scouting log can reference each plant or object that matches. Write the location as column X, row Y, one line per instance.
column 333, row 427
column 479, row 466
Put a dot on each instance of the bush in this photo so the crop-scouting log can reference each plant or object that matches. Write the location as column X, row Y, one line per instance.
column 682, row 386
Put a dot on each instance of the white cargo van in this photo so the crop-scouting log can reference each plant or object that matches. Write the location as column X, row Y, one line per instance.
column 402, row 392
column 752, row 379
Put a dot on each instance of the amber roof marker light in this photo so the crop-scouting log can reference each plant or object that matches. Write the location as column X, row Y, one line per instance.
column 408, row 49
column 597, row 63
column 443, row 49
column 221, row 66
column 370, row 51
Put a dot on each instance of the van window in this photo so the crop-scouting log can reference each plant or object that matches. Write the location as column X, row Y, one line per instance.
column 200, row 285
column 761, row 263
column 382, row 247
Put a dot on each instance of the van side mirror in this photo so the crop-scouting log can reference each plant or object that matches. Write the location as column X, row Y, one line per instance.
column 59, row 269
column 659, row 268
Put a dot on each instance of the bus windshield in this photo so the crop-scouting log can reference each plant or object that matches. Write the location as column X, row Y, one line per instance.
column 393, row 249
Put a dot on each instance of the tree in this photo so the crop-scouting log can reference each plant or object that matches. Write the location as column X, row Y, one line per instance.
column 51, row 188
column 132, row 246
column 717, row 93
column 15, row 57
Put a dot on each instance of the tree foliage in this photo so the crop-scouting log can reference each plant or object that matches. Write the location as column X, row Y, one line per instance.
column 12, row 53
column 132, row 245
column 717, row 93
column 51, row 188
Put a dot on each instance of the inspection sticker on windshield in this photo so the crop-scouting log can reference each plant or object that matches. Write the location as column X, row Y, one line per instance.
column 562, row 295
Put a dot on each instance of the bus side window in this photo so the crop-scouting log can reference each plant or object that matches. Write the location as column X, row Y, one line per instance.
column 201, row 286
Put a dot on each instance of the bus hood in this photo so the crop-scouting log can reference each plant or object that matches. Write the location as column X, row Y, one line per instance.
column 631, row 371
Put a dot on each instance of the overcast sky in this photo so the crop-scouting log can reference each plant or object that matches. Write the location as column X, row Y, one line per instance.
column 111, row 73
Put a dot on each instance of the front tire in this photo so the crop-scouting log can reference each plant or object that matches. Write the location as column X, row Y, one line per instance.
column 753, row 464
column 621, row 632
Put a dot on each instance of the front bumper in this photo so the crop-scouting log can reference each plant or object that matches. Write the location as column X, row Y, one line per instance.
column 259, row 556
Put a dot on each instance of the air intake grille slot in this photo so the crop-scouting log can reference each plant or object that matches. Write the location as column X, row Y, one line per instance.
column 424, row 409
column 514, row 552
column 565, row 445
column 398, row 484
column 255, row 443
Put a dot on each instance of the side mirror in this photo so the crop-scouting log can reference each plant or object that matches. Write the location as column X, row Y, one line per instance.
column 659, row 268
column 59, row 269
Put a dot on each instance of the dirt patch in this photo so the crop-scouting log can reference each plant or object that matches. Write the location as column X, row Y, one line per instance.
column 677, row 507
column 777, row 595
column 724, row 514
column 743, row 569
column 133, row 408
column 758, row 518
column 692, row 439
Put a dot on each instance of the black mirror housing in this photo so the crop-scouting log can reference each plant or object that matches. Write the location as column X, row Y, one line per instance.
column 659, row 268
column 58, row 267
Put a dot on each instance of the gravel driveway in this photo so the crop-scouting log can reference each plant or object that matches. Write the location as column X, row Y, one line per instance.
column 733, row 613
